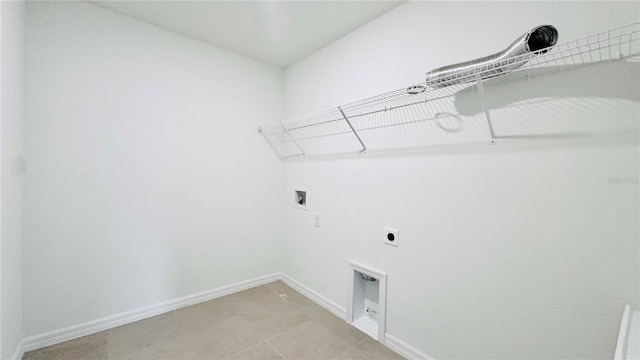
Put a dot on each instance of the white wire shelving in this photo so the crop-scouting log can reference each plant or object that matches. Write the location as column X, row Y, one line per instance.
column 410, row 114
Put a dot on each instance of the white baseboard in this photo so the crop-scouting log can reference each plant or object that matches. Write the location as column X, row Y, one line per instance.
column 334, row 308
column 391, row 341
column 405, row 349
column 17, row 355
column 622, row 334
column 109, row 322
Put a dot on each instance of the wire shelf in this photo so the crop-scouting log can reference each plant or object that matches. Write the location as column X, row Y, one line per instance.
column 426, row 113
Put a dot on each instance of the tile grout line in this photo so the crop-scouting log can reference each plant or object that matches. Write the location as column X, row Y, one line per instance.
column 284, row 332
column 266, row 338
column 337, row 356
column 246, row 349
column 276, row 350
column 351, row 348
column 242, row 311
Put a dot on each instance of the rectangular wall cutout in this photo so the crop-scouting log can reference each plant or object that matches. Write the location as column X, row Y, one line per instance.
column 300, row 197
column 367, row 300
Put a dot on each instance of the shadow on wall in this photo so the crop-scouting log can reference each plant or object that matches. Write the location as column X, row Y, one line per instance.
column 560, row 101
column 613, row 79
column 592, row 101
column 596, row 102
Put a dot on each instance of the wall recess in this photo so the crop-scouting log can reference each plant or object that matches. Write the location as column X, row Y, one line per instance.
column 367, row 300
column 300, row 197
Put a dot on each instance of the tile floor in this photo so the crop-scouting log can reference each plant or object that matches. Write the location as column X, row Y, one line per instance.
column 252, row 324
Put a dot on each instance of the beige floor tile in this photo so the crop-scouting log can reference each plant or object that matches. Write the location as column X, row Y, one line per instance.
column 278, row 287
column 235, row 335
column 260, row 295
column 343, row 330
column 140, row 334
column 309, row 341
column 308, row 307
column 172, row 349
column 352, row 354
column 92, row 347
column 262, row 351
column 376, row 351
column 43, row 354
column 200, row 319
column 279, row 318
column 252, row 324
column 220, row 308
column 252, row 302
column 316, row 312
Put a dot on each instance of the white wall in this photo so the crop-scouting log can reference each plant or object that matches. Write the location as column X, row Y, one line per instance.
column 525, row 249
column 146, row 179
column 11, row 103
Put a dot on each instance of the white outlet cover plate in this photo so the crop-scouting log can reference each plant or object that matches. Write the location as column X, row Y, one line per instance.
column 396, row 236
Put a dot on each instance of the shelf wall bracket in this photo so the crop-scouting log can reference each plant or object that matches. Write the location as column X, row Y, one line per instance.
column 292, row 139
column 484, row 106
column 266, row 138
column 364, row 147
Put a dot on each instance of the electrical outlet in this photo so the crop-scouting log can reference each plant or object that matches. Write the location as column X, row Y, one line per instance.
column 316, row 220
column 391, row 236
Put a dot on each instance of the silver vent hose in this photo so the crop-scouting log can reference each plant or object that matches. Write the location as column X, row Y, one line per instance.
column 536, row 41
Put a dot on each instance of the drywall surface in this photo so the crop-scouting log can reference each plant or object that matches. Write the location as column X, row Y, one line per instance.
column 146, row 179
column 12, row 63
column 524, row 249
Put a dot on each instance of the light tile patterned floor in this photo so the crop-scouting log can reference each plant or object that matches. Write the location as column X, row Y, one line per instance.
column 252, row 324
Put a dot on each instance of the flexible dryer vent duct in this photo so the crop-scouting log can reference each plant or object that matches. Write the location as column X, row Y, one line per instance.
column 535, row 41
column 368, row 278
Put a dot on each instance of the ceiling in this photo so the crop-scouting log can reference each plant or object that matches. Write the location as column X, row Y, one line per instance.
column 280, row 33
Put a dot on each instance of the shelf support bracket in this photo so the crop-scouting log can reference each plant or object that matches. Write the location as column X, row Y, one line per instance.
column 486, row 109
column 266, row 138
column 292, row 139
column 364, row 147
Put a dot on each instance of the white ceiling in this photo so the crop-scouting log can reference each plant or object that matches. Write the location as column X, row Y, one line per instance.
column 276, row 32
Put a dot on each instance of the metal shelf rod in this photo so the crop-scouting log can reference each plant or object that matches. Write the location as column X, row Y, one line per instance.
column 611, row 45
column 370, row 112
column 292, row 139
column 484, row 106
column 364, row 147
column 266, row 138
